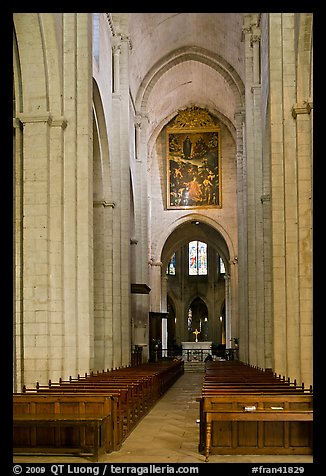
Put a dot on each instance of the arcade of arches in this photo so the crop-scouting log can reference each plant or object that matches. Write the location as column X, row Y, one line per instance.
column 136, row 134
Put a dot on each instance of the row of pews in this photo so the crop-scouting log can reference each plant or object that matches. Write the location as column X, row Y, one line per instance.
column 246, row 410
column 91, row 414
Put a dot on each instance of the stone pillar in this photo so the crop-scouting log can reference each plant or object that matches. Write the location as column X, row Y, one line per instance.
column 255, row 44
column 242, row 234
column 284, row 192
column 78, row 194
column 116, row 68
column 18, row 350
column 255, row 243
column 121, row 193
column 302, row 113
column 156, row 285
column 228, row 329
column 141, row 302
column 35, row 247
column 103, row 275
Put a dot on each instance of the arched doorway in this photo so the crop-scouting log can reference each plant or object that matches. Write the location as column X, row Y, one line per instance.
column 197, row 321
column 206, row 298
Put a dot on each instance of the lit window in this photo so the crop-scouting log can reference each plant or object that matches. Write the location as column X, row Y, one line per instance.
column 197, row 258
column 171, row 266
column 222, row 266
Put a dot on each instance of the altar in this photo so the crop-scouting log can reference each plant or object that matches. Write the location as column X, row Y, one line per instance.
column 196, row 351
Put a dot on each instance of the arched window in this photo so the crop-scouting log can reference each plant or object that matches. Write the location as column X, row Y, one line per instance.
column 222, row 266
column 197, row 258
column 171, row 265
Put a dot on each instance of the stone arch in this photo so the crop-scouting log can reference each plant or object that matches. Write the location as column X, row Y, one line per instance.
column 38, row 48
column 101, row 127
column 202, row 228
column 159, row 128
column 186, row 54
column 200, row 310
column 165, row 246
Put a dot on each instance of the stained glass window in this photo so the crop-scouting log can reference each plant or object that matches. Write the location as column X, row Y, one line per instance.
column 171, row 266
column 197, row 258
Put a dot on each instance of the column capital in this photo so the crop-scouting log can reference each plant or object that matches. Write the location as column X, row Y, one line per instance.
column 255, row 35
column 152, row 262
column 116, row 48
column 304, row 107
column 103, row 203
column 140, row 118
column 118, row 39
column 45, row 117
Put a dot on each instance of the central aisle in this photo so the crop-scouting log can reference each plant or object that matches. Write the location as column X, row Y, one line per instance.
column 169, row 433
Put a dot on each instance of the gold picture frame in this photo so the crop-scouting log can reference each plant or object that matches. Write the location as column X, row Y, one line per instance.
column 193, row 167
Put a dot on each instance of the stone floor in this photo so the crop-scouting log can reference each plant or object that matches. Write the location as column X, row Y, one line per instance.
column 169, row 433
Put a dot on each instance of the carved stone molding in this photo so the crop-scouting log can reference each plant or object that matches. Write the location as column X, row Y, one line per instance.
column 29, row 118
column 46, row 117
column 255, row 87
column 302, row 108
column 16, row 123
column 152, row 262
column 59, row 122
column 193, row 118
column 103, row 203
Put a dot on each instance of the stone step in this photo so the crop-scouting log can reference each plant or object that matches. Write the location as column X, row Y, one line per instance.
column 194, row 366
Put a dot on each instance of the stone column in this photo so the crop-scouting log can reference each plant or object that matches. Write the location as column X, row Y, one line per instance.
column 116, row 68
column 255, row 262
column 35, row 247
column 141, row 217
column 228, row 329
column 302, row 113
column 242, row 234
column 156, row 285
column 284, row 193
column 120, row 170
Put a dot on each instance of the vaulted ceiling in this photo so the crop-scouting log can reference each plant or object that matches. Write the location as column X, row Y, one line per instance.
column 183, row 59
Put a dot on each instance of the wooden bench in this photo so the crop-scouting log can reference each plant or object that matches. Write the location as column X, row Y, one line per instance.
column 256, row 424
column 122, row 397
column 135, row 391
column 64, row 423
column 94, row 422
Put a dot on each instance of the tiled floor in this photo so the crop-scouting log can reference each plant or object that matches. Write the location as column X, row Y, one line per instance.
column 170, row 434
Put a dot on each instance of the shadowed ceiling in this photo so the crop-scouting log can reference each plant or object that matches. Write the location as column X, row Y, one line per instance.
column 183, row 59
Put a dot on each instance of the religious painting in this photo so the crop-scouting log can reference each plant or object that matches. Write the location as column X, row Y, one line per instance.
column 193, row 168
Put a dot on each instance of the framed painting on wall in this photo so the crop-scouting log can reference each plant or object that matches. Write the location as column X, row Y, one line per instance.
column 193, row 168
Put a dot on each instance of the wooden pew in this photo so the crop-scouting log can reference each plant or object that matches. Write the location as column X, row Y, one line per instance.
column 245, row 410
column 64, row 423
column 121, row 422
column 275, row 424
column 135, row 391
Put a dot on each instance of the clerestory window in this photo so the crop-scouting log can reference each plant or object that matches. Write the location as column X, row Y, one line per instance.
column 197, row 258
column 171, row 265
